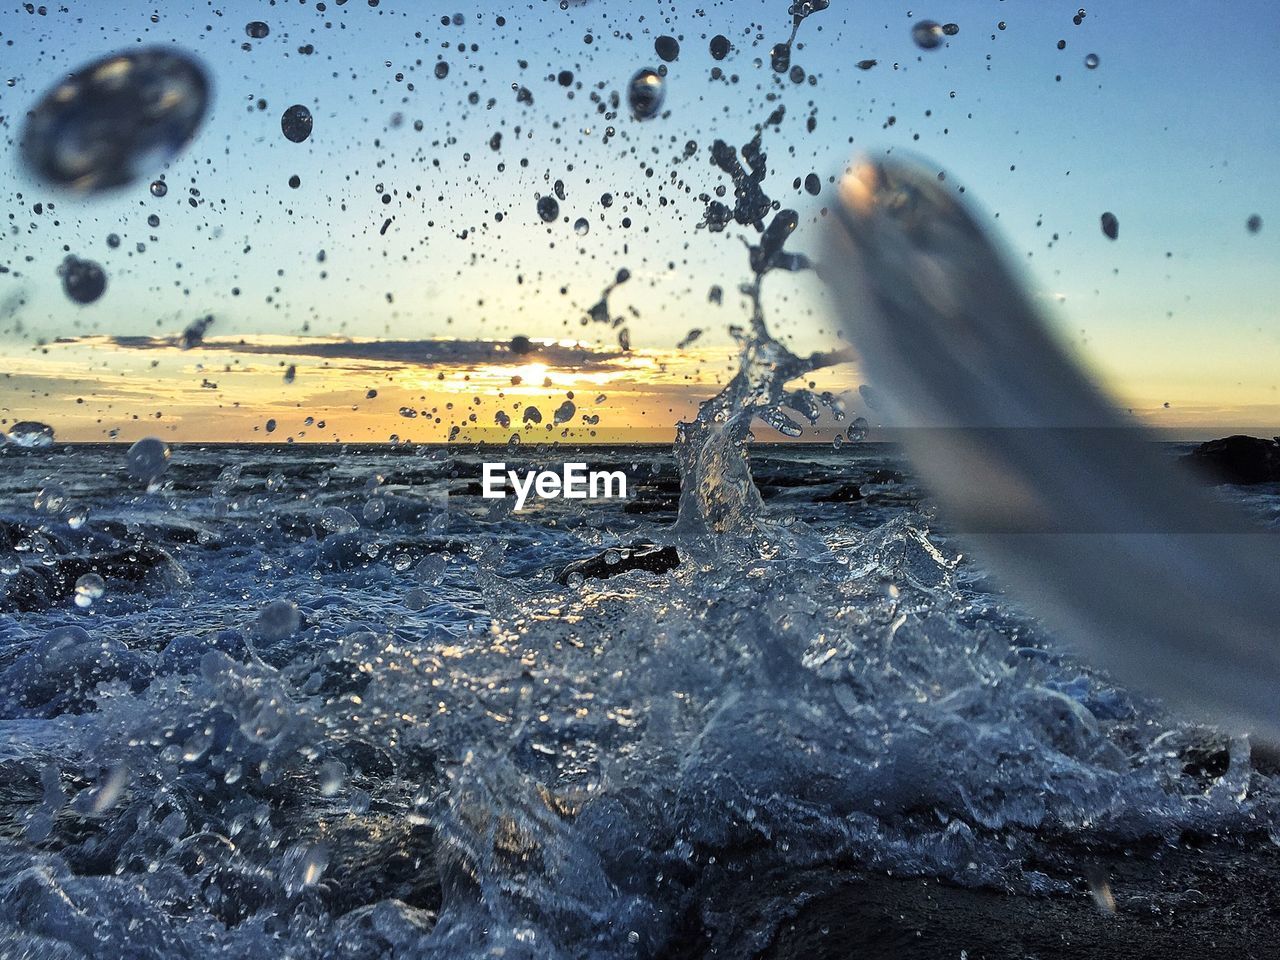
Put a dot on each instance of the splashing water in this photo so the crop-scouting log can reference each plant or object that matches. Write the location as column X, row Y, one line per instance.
column 330, row 702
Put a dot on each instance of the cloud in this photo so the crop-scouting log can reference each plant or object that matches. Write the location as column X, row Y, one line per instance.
column 415, row 353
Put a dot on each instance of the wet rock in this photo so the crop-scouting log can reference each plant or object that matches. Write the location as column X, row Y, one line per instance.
column 1237, row 459
column 641, row 507
column 845, row 493
column 618, row 560
column 135, row 568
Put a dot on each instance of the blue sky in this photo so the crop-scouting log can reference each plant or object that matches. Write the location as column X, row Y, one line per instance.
column 1176, row 132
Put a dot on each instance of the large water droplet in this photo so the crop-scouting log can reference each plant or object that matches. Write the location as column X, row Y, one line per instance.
column 548, row 208
column 667, row 48
column 302, row 866
column 89, row 587
column 257, row 30
column 1092, row 61
column 928, row 34
column 82, row 280
column 645, row 94
column 29, row 435
column 1110, row 225
column 278, row 620
column 51, row 499
column 148, row 458
column 107, row 123
column 296, row 123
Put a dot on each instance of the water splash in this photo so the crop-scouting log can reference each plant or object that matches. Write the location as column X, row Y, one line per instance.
column 719, row 501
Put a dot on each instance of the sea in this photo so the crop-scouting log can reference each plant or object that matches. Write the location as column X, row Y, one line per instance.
column 328, row 701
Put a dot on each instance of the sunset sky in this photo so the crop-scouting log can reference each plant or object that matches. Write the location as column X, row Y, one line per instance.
column 412, row 252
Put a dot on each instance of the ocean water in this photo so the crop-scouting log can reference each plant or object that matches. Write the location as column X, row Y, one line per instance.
column 305, row 701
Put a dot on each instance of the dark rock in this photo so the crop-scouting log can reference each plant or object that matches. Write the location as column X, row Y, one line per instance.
column 1237, row 459
column 665, row 505
column 845, row 493
column 639, row 556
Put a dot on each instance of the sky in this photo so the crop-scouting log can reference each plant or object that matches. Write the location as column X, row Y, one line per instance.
column 411, row 223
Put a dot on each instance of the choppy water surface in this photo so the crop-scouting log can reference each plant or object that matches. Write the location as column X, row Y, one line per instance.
column 288, row 701
column 329, row 702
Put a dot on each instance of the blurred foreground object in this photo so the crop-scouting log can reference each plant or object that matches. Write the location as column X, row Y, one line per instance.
column 1071, row 504
column 115, row 120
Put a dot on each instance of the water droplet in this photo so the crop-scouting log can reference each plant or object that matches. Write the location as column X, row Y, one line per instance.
column 332, row 776
column 303, row 866
column 148, row 458
column 257, row 30
column 645, row 94
column 30, row 434
column 278, row 620
column 84, row 281
column 548, row 208
column 159, row 188
column 51, row 499
column 1092, row 61
column 564, row 413
column 927, row 34
column 296, row 123
column 96, row 128
column 581, row 227
column 720, row 46
column 667, row 48
column 89, row 587
column 1254, row 223
column 858, row 430
column 430, row 572
column 338, row 520
column 442, row 70
column 1110, row 225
